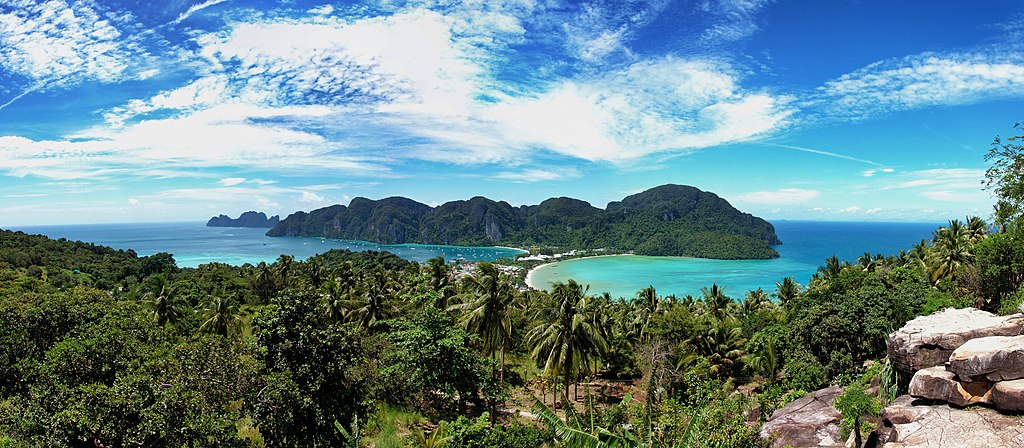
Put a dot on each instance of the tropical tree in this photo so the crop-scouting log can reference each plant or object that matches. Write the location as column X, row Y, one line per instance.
column 373, row 303
column 221, row 317
column 163, row 303
column 1005, row 178
column 440, row 276
column 262, row 283
column 564, row 338
column 950, row 251
column 316, row 272
column 721, row 344
column 283, row 270
column 786, row 290
column 715, row 302
column 487, row 310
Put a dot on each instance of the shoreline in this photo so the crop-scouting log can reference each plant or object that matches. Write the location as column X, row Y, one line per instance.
column 529, row 274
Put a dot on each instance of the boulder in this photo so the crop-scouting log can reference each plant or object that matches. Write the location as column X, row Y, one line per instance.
column 912, row 422
column 810, row 421
column 1008, row 396
column 937, row 383
column 928, row 341
column 992, row 358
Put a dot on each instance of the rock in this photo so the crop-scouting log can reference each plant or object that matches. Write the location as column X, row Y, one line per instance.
column 993, row 358
column 1008, row 396
column 937, row 383
column 915, row 423
column 928, row 341
column 810, row 421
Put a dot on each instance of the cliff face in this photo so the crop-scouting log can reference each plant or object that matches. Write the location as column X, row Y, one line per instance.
column 247, row 219
column 667, row 220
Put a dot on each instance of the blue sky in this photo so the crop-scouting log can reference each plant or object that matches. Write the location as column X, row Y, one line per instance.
column 119, row 111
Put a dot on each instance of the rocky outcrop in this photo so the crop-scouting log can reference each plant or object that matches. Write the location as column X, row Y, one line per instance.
column 929, row 341
column 247, row 219
column 993, row 358
column 810, row 421
column 910, row 422
column 937, row 383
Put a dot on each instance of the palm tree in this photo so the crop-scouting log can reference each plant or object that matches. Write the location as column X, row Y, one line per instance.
column 977, row 229
column 722, row 345
column 336, row 294
column 263, row 283
column 645, row 307
column 832, row 268
column 284, row 269
column 221, row 317
column 373, row 303
column 487, row 310
column 716, row 303
column 316, row 272
column 951, row 249
column 786, row 290
column 765, row 362
column 564, row 338
column 753, row 302
column 440, row 275
column 164, row 304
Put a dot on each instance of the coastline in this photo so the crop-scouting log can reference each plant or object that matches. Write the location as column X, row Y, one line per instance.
column 529, row 274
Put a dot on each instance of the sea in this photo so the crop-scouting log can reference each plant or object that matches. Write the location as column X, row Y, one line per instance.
column 193, row 244
column 806, row 245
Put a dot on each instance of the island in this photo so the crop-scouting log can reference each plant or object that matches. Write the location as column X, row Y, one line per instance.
column 247, row 219
column 669, row 220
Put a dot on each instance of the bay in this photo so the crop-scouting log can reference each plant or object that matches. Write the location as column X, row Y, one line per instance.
column 806, row 245
column 192, row 243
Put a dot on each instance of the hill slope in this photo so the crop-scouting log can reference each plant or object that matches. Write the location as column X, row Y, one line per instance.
column 674, row 220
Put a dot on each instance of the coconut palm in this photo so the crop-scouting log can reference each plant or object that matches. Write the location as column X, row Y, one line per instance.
column 753, row 302
column 786, row 290
column 715, row 302
column 263, row 283
column 221, row 317
column 951, row 249
column 646, row 306
column 372, row 304
column 487, row 310
column 721, row 344
column 977, row 229
column 316, row 272
column 832, row 268
column 564, row 339
column 283, row 270
column 164, row 304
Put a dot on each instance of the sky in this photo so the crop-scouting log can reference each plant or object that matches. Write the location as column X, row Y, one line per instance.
column 133, row 110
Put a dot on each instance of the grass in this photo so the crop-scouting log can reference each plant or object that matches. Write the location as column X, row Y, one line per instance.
column 390, row 427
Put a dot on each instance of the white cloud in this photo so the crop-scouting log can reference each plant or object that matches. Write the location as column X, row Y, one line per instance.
column 538, row 175
column 324, row 10
column 872, row 211
column 231, row 181
column 309, row 196
column 732, row 19
column 55, row 44
column 196, row 8
column 133, row 201
column 780, row 196
column 920, row 81
column 850, row 209
column 649, row 107
column 977, row 197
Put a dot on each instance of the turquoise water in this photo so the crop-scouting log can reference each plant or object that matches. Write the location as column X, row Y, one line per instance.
column 192, row 243
column 805, row 246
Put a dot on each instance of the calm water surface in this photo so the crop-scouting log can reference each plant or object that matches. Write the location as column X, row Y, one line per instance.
column 192, row 243
column 805, row 246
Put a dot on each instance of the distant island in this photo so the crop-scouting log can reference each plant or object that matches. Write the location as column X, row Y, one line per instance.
column 670, row 220
column 247, row 219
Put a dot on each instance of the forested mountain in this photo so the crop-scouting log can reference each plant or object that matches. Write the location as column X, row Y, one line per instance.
column 247, row 219
column 674, row 220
